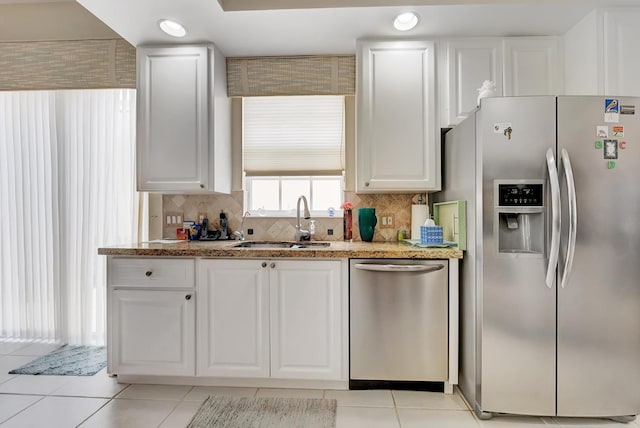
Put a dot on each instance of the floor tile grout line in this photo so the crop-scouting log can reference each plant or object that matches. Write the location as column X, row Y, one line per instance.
column 122, row 390
column 171, row 412
column 395, row 408
column 29, row 406
column 96, row 411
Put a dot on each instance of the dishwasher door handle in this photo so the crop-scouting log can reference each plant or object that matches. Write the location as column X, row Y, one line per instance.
column 398, row 268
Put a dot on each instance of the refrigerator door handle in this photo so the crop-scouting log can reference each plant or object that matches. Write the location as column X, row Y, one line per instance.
column 573, row 217
column 555, row 218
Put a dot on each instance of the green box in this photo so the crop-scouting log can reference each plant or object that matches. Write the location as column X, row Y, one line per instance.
column 452, row 216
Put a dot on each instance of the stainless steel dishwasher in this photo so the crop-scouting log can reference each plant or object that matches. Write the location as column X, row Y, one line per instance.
column 398, row 320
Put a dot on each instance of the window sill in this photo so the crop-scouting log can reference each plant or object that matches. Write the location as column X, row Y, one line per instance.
column 292, row 214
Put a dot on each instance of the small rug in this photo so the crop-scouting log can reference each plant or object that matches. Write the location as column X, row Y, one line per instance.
column 244, row 412
column 69, row 360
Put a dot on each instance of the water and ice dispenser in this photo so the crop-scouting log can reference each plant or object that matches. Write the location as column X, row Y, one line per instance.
column 519, row 222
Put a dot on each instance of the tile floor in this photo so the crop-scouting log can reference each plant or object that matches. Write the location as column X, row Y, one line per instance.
column 100, row 402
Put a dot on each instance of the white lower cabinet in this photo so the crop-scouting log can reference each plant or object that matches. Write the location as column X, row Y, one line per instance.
column 275, row 320
column 153, row 332
column 233, row 318
column 306, row 320
column 282, row 319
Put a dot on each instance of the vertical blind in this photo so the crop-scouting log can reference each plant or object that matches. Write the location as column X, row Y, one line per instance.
column 302, row 135
column 67, row 187
column 29, row 257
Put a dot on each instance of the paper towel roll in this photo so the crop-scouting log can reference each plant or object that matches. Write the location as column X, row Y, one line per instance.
column 419, row 214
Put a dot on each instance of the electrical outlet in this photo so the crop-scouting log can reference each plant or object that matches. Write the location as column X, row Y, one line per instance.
column 385, row 221
column 174, row 218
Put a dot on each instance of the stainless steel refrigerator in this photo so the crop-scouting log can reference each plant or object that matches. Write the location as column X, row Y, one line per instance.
column 550, row 281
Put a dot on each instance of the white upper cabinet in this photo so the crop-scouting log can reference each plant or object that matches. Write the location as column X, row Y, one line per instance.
column 183, row 120
column 582, row 67
column 467, row 64
column 397, row 140
column 532, row 66
column 621, row 52
column 601, row 53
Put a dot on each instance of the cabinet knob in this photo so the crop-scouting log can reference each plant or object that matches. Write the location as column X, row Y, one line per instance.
column 264, row 264
column 187, row 297
column 202, row 186
column 366, row 184
column 148, row 273
column 273, row 265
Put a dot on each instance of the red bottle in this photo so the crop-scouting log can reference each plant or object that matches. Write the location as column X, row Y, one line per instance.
column 347, row 224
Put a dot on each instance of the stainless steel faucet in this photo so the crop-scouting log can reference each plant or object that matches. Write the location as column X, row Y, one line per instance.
column 302, row 234
column 240, row 233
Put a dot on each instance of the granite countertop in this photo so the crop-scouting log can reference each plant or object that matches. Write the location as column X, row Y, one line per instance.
column 337, row 249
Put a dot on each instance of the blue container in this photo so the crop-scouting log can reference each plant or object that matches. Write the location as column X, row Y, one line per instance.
column 431, row 235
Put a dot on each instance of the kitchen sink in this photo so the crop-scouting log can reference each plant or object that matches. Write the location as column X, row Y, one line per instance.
column 281, row 244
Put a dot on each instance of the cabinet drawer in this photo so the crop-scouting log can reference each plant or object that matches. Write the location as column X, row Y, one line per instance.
column 152, row 272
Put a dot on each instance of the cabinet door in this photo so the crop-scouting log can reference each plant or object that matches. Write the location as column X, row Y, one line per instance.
column 469, row 63
column 621, row 60
column 396, row 145
column 173, row 133
column 233, row 318
column 153, row 332
column 532, row 66
column 306, row 320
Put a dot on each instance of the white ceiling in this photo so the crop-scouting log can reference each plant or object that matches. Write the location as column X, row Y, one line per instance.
column 328, row 30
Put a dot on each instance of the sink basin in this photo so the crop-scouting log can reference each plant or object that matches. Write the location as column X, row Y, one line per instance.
column 281, row 244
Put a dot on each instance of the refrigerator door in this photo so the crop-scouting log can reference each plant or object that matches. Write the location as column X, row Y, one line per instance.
column 517, row 311
column 599, row 307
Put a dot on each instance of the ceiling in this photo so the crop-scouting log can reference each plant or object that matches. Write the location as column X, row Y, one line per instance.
column 296, row 27
column 25, row 21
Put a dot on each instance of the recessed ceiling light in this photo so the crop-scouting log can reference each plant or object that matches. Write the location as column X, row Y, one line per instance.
column 406, row 21
column 172, row 28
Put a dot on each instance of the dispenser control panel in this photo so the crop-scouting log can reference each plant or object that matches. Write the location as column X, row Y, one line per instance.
column 520, row 195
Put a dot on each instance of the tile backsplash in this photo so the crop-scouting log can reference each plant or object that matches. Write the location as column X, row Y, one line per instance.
column 190, row 207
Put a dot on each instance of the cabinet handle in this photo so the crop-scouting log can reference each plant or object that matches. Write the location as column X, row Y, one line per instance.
column 366, row 184
column 187, row 297
column 273, row 265
column 264, row 264
column 148, row 273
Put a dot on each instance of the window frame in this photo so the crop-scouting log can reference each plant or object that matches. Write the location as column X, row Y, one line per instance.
column 280, row 213
column 282, row 176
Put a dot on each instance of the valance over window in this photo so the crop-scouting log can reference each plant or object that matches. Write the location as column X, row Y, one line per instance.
column 291, row 75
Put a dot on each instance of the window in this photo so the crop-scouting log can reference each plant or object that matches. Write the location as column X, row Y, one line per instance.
column 293, row 146
column 279, row 195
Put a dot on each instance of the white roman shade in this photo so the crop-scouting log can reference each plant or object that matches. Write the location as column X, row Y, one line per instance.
column 301, row 135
